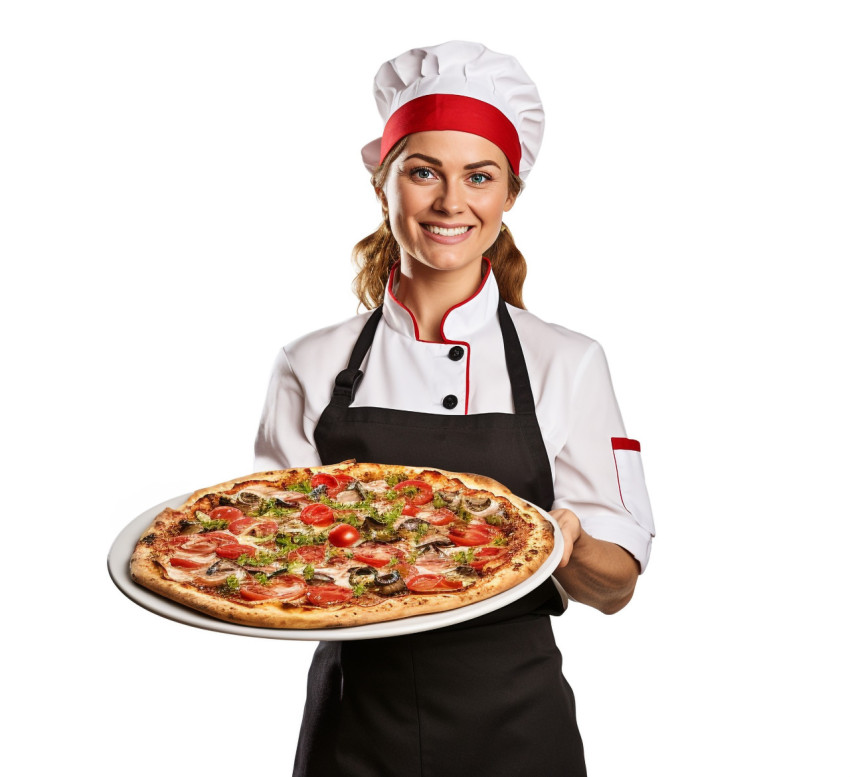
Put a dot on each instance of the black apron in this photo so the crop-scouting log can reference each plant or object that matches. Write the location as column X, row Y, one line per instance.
column 485, row 696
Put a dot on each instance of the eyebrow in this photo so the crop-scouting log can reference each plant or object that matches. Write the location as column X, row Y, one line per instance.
column 437, row 163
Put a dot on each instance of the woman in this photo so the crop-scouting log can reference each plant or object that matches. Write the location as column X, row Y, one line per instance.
column 450, row 371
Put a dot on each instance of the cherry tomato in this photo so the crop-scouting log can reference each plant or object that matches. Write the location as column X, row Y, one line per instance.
column 240, row 524
column 185, row 563
column 423, row 584
column 343, row 535
column 425, row 495
column 377, row 555
column 323, row 479
column 484, row 556
column 235, row 551
column 469, row 535
column 284, row 587
column 328, row 593
column 307, row 554
column 226, row 514
column 317, row 515
column 439, row 517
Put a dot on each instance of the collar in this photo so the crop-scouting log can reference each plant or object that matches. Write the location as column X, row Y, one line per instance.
column 459, row 321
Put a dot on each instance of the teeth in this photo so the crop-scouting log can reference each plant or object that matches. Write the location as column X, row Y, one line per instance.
column 446, row 232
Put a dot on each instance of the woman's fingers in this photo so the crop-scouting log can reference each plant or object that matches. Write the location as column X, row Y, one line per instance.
column 570, row 528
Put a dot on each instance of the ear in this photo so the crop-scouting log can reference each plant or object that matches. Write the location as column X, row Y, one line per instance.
column 509, row 203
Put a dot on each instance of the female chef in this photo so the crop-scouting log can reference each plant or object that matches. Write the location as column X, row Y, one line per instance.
column 450, row 371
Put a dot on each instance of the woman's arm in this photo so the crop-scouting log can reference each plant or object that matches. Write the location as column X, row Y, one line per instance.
column 594, row 572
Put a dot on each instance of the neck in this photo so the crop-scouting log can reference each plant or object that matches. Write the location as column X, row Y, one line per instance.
column 429, row 293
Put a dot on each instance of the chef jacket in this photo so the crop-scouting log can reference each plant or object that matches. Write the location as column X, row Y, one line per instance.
column 596, row 470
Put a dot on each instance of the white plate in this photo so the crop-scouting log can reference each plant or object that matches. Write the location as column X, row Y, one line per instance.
column 118, row 563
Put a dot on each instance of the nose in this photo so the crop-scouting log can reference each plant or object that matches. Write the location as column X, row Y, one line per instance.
column 450, row 198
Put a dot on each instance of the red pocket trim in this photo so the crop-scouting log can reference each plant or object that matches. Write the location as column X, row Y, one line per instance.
column 625, row 444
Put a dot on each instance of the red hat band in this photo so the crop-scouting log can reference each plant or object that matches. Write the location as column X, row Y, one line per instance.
column 453, row 112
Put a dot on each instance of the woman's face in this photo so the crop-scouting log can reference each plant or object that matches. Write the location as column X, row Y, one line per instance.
column 445, row 196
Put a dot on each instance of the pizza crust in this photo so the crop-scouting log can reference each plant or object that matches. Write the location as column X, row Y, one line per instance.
column 146, row 570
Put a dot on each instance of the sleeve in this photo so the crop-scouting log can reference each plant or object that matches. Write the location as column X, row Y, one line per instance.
column 598, row 473
column 285, row 436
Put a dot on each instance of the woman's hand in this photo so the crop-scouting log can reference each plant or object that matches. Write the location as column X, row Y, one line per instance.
column 570, row 528
column 594, row 572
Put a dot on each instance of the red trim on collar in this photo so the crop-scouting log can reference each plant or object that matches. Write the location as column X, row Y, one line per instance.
column 445, row 341
column 391, row 283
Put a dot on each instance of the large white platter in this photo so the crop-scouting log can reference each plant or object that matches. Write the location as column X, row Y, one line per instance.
column 118, row 563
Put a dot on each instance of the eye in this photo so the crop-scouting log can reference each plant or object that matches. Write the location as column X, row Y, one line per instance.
column 422, row 173
column 479, row 178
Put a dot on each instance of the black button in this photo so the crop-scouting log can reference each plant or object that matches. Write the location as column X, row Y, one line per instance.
column 450, row 402
column 456, row 353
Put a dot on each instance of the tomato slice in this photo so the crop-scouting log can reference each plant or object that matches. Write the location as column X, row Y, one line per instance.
column 484, row 556
column 410, row 510
column 440, row 517
column 343, row 536
column 328, row 593
column 317, row 515
column 240, row 524
column 425, row 495
column 323, row 479
column 185, row 563
column 226, row 514
column 235, row 551
column 428, row 583
column 284, row 588
column 307, row 554
column 377, row 555
column 469, row 535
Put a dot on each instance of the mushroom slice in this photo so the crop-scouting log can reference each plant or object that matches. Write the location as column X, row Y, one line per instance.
column 451, row 498
column 389, row 584
column 364, row 576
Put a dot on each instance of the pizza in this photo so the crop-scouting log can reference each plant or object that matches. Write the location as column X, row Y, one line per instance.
column 341, row 545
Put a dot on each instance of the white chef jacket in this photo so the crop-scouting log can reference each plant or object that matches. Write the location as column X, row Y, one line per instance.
column 596, row 470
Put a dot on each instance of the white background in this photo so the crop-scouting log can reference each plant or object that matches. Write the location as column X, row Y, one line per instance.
column 181, row 188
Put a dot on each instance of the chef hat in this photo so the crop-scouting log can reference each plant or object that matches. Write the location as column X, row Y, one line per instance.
column 459, row 86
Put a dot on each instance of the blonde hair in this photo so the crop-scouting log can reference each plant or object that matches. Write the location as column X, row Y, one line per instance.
column 375, row 254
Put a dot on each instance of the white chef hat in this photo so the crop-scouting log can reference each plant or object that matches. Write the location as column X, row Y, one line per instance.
column 459, row 86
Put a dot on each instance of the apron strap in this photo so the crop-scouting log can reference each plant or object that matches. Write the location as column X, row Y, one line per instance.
column 517, row 369
column 346, row 383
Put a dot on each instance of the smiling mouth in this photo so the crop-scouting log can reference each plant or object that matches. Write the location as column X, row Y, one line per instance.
column 446, row 231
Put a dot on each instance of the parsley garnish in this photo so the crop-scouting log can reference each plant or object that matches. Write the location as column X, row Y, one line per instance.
column 464, row 556
column 231, row 584
column 270, row 507
column 303, row 486
column 207, row 524
column 438, row 501
column 500, row 541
